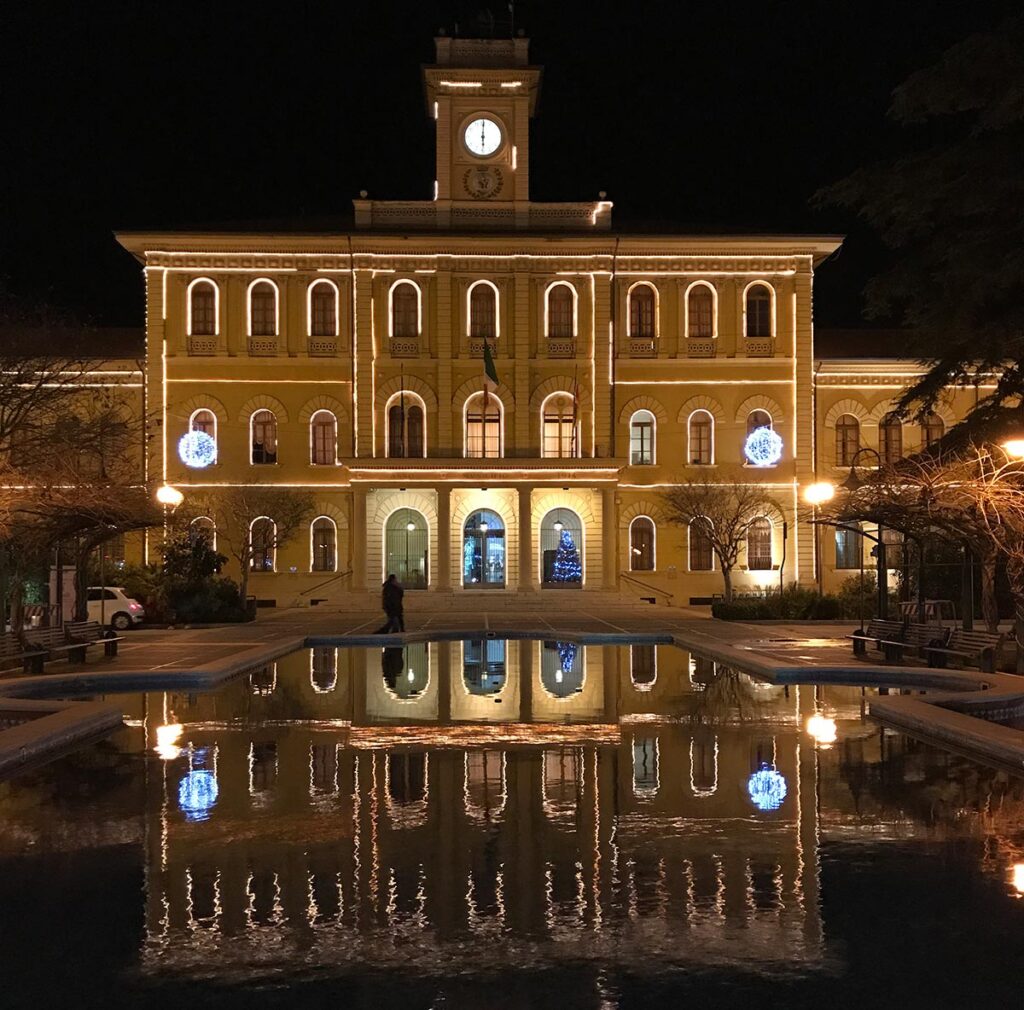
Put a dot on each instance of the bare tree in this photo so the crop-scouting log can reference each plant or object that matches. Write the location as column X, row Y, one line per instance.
column 235, row 509
column 721, row 512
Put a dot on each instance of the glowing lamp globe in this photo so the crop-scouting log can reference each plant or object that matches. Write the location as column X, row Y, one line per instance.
column 197, row 450
column 766, row 788
column 1014, row 447
column 763, row 447
column 168, row 495
column 818, row 494
column 197, row 794
column 822, row 729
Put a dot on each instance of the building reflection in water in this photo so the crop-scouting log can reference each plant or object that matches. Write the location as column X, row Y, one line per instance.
column 595, row 800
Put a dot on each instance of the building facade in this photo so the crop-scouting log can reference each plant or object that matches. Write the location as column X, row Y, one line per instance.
column 350, row 364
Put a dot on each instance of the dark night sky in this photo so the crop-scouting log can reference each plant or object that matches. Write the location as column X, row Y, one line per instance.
column 140, row 114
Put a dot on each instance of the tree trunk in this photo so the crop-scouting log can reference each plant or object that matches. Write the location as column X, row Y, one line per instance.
column 726, row 584
column 243, row 576
column 989, row 603
column 17, row 602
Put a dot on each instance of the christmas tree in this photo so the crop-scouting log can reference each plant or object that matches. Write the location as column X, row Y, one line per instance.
column 567, row 566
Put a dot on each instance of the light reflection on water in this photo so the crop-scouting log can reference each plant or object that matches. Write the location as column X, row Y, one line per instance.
column 328, row 815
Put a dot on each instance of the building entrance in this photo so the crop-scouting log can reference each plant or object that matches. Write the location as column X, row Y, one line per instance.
column 483, row 551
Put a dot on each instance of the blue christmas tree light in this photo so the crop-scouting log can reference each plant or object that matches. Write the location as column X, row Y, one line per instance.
column 767, row 788
column 566, row 655
column 197, row 449
column 567, row 566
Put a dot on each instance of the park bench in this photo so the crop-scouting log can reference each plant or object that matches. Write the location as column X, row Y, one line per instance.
column 915, row 638
column 52, row 644
column 972, row 648
column 12, row 652
column 94, row 633
column 877, row 632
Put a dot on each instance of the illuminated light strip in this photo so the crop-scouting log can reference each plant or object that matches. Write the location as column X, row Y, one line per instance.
column 81, row 371
column 901, row 385
column 425, row 270
column 267, row 382
column 277, row 306
column 163, row 406
column 232, row 270
column 435, row 110
column 600, row 206
column 461, row 84
column 704, row 382
column 474, row 255
column 309, row 306
column 80, row 385
column 511, row 84
column 378, row 476
column 714, row 308
column 373, row 365
column 163, row 305
column 731, row 483
column 795, row 429
column 515, row 157
column 593, row 367
column 435, row 189
column 391, row 307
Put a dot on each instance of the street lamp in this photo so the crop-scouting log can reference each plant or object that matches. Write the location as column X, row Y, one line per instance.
column 1014, row 448
column 815, row 495
column 852, row 484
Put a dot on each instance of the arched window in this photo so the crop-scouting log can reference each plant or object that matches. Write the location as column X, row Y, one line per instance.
column 932, row 430
column 262, row 309
column 323, row 309
column 646, row 778
column 405, row 310
column 205, row 421
column 483, row 311
column 559, row 427
column 758, row 419
column 202, row 308
column 406, row 670
column 701, row 432
column 561, row 312
column 406, row 548
column 642, row 307
column 643, row 666
column 890, row 438
column 561, row 549
column 483, row 666
column 483, row 426
column 323, row 539
column 759, row 545
column 758, row 311
column 701, row 553
column 203, row 528
column 641, row 544
column 323, row 439
column 263, row 428
column 641, row 438
column 847, row 439
column 483, row 551
column 700, row 311
column 323, row 670
column 562, row 673
column 406, row 427
column 263, row 545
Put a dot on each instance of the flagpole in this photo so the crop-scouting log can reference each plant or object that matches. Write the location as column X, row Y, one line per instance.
column 575, row 406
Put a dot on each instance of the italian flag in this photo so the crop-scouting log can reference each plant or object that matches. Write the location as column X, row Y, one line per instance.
column 490, row 374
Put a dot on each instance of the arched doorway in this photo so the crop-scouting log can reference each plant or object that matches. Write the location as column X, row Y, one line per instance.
column 407, row 548
column 561, row 549
column 406, row 670
column 483, row 666
column 561, row 669
column 483, row 551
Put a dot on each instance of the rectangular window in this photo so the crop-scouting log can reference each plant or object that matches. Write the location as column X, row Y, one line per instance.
column 324, row 323
column 558, row 437
column 483, row 438
column 323, row 443
column 700, row 441
column 641, row 443
column 701, row 554
column 848, row 549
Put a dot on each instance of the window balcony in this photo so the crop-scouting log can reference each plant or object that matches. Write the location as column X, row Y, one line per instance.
column 202, row 345
column 322, row 347
column 561, row 348
column 700, row 347
column 759, row 347
column 643, row 347
column 262, row 347
column 404, row 347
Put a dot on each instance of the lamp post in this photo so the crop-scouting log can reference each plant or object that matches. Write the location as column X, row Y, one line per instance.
column 853, row 483
column 815, row 495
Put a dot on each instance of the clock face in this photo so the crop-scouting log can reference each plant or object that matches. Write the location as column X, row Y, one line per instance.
column 482, row 137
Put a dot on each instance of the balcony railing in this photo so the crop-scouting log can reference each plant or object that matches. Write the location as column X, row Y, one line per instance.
column 700, row 347
column 202, row 345
column 642, row 347
column 559, row 348
column 405, row 347
column 759, row 347
column 322, row 347
column 262, row 346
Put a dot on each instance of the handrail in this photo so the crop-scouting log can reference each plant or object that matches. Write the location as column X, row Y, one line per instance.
column 326, row 582
column 646, row 585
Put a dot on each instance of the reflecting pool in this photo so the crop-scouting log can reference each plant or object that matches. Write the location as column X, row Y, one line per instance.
column 509, row 824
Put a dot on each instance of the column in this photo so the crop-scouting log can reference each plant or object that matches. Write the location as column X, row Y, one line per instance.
column 527, row 566
column 358, row 535
column 609, row 538
column 444, row 538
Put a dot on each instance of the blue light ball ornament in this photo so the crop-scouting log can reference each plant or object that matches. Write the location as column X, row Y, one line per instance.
column 767, row 788
column 763, row 447
column 197, row 794
column 197, row 449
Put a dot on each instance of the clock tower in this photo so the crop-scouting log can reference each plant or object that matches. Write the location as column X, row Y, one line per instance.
column 481, row 94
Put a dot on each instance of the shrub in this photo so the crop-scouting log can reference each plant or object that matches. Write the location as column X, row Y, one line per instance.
column 796, row 604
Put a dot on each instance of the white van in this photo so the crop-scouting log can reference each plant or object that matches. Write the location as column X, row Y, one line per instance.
column 118, row 610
